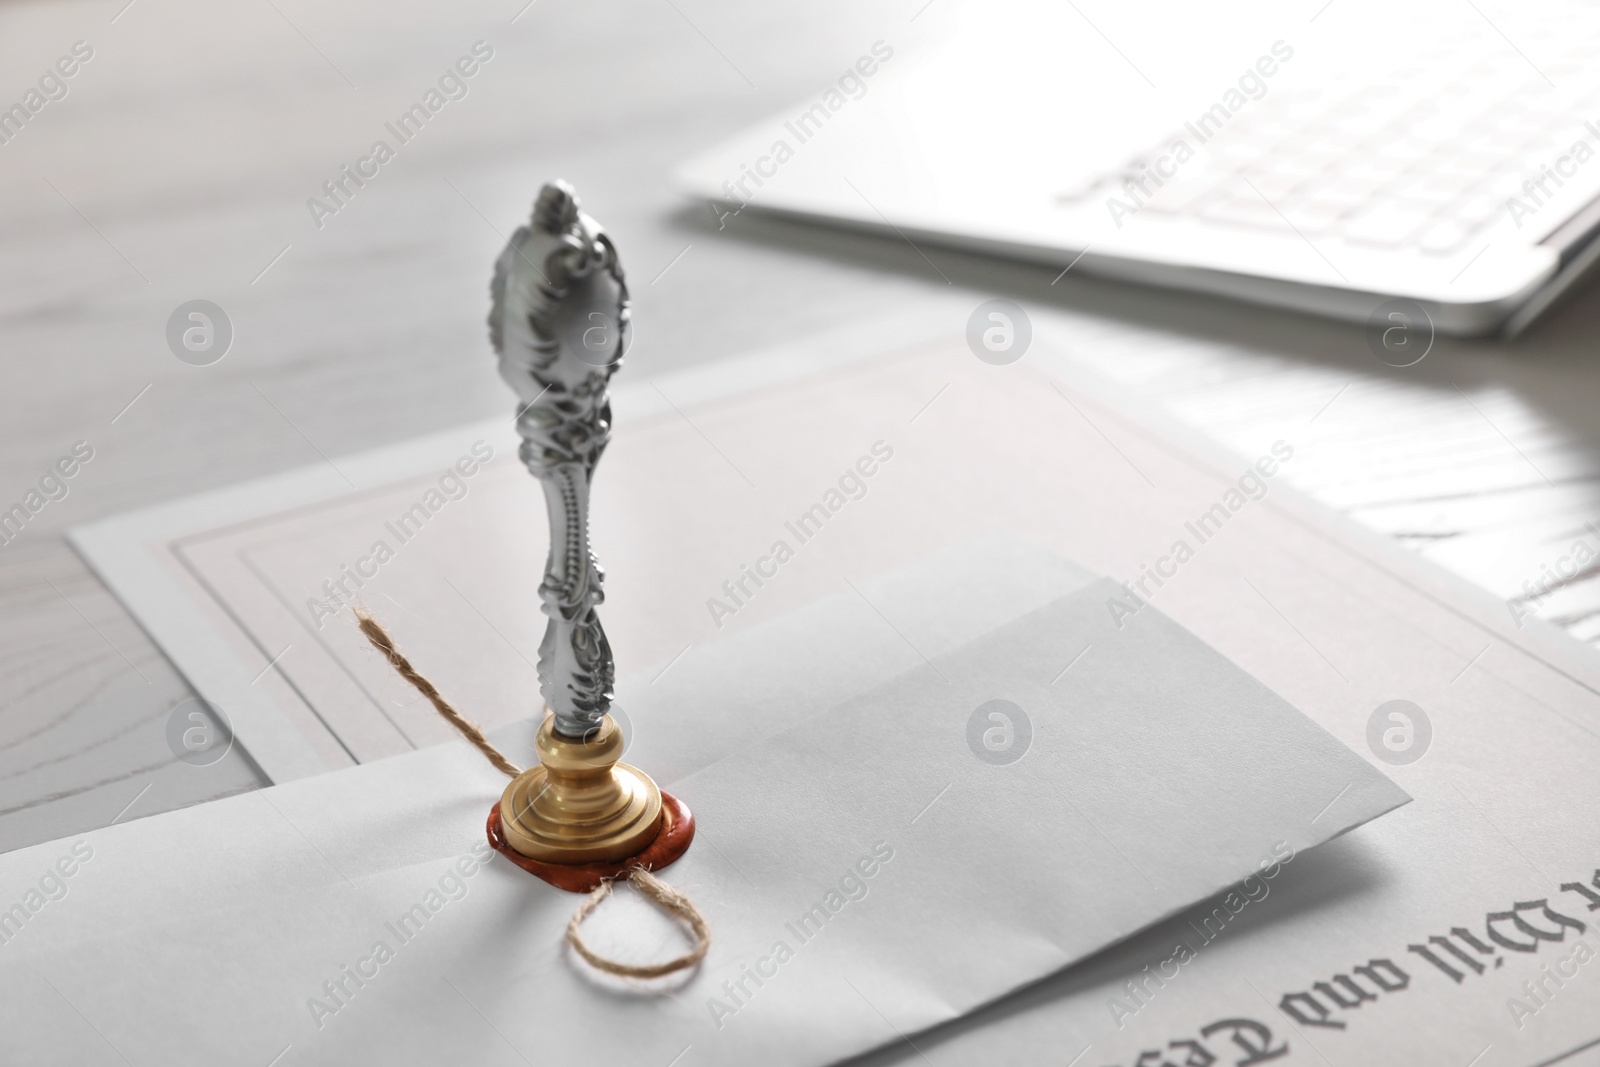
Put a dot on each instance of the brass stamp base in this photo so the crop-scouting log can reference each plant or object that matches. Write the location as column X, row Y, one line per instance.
column 580, row 805
column 673, row 840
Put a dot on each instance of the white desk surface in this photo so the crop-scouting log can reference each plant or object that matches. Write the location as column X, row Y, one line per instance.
column 178, row 168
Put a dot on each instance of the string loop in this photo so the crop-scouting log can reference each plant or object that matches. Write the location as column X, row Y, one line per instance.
column 670, row 900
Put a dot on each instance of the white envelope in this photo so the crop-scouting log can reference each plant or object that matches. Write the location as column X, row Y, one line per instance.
column 876, row 869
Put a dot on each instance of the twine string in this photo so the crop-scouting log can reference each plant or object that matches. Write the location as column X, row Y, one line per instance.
column 381, row 641
column 654, row 889
column 669, row 900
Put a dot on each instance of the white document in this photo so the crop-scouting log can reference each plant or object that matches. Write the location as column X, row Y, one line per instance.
column 1462, row 929
column 881, row 867
column 1322, row 612
column 226, row 581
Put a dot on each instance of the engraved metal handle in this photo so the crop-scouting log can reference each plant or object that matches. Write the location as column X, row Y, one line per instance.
column 559, row 324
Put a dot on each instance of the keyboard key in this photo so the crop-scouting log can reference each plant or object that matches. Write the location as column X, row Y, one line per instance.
column 1443, row 238
column 1373, row 170
column 1248, row 210
column 1313, row 217
column 1468, row 164
column 1351, row 192
column 1275, row 186
column 1477, row 208
column 1384, row 225
column 1183, row 193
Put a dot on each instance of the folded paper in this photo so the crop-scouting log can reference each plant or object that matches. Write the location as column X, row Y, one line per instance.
column 1001, row 808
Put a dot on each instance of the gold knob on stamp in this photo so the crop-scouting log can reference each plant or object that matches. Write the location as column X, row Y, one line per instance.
column 580, row 805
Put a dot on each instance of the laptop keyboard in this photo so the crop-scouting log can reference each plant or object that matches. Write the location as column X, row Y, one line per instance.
column 1423, row 157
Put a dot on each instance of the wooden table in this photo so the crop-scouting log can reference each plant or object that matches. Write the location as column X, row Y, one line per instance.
column 179, row 166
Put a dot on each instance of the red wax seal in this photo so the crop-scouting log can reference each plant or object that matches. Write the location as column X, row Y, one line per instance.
column 671, row 842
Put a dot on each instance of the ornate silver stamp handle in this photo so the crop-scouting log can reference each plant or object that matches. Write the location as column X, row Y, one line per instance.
column 559, row 324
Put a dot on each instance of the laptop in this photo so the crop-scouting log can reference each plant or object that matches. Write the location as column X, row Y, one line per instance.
column 1333, row 160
